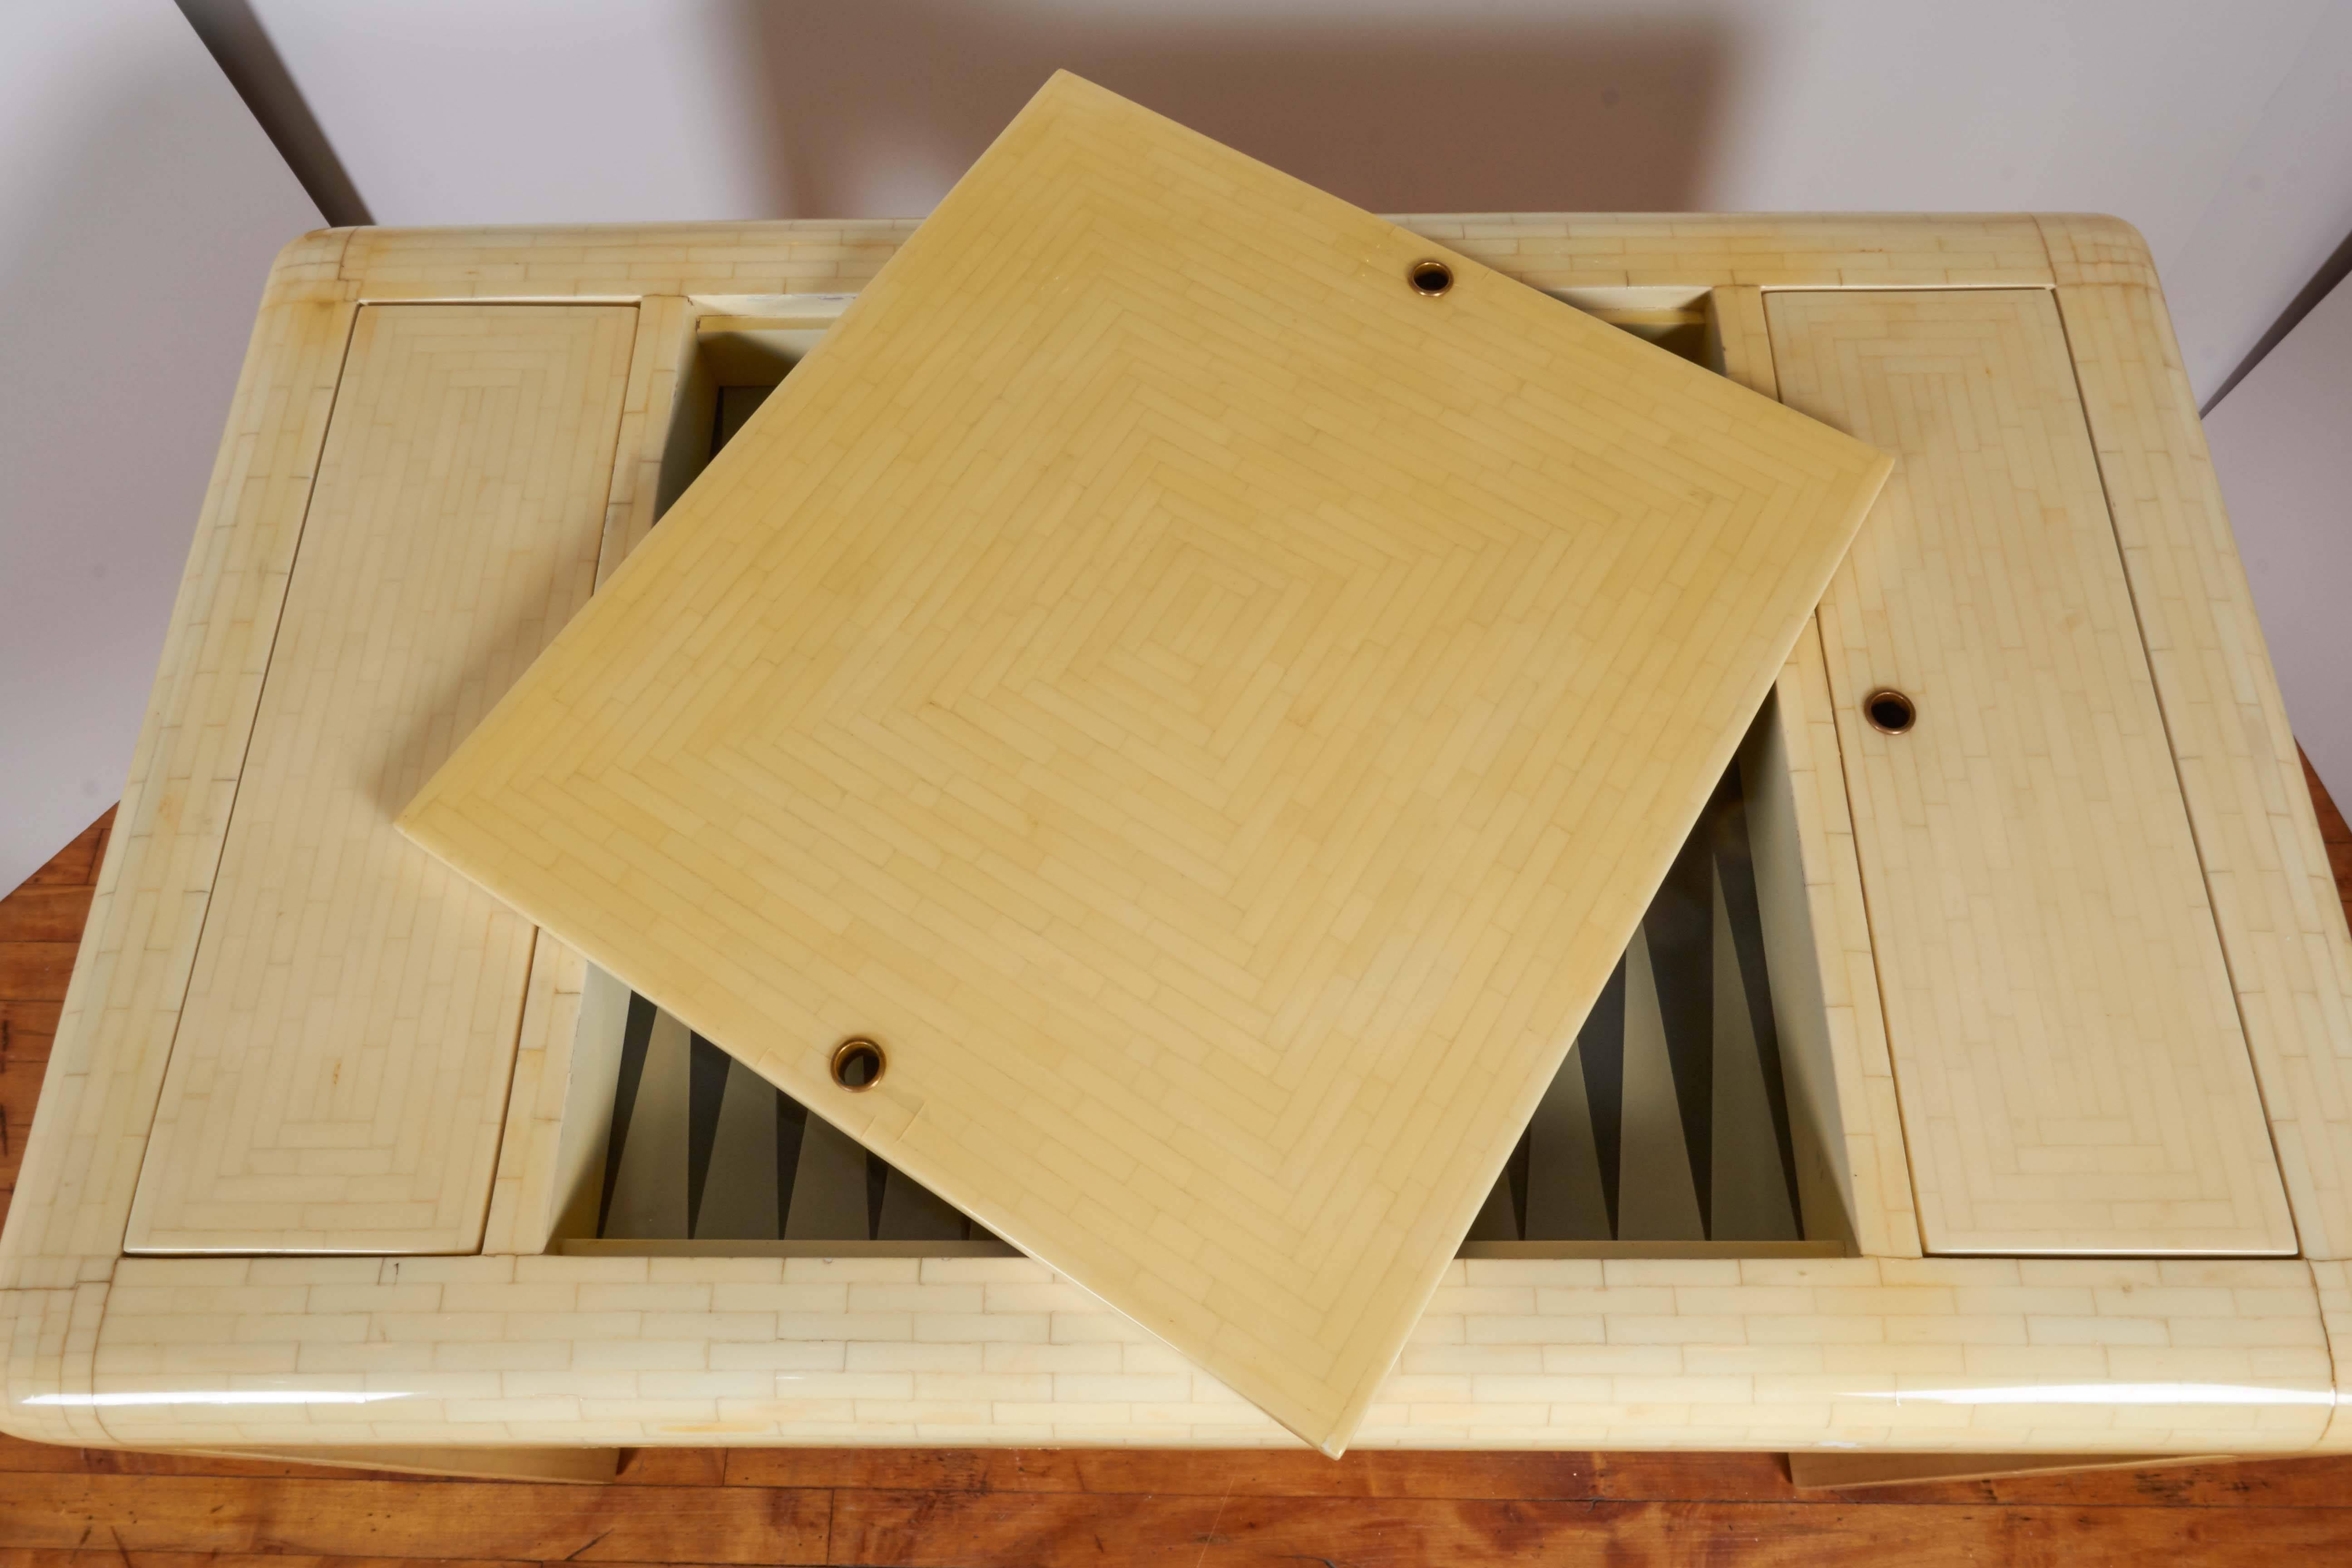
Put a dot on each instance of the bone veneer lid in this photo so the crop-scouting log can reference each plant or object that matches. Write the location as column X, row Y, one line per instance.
column 1213, row 713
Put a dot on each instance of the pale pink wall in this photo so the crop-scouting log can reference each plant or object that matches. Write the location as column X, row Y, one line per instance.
column 139, row 206
column 2282, row 446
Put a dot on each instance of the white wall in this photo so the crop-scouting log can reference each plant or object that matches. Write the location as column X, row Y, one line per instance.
column 2280, row 210
column 511, row 111
column 2282, row 446
column 139, row 206
column 2223, row 130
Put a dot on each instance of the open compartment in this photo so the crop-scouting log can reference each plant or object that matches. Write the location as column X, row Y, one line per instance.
column 1697, row 1114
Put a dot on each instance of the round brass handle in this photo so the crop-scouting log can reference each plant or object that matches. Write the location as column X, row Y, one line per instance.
column 1889, row 711
column 858, row 1064
column 1430, row 278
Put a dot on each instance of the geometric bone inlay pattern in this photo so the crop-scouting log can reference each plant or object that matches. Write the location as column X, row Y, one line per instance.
column 338, row 1079
column 1694, row 1143
column 1668, row 1123
column 702, row 1148
column 1215, row 714
column 2074, row 1074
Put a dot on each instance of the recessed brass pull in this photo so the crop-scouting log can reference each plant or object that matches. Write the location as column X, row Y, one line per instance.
column 858, row 1064
column 1430, row 278
column 1889, row 711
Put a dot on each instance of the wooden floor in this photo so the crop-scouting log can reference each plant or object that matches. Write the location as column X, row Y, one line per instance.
column 40, row 926
column 68, row 1507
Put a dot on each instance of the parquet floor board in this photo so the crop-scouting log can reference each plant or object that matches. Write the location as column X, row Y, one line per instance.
column 2334, row 831
column 86, row 1508
column 40, row 926
column 73, row 1509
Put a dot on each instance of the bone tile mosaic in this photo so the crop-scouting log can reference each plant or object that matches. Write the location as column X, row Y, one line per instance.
column 1216, row 723
column 1951, row 1353
column 318, row 1098
column 1669, row 1120
column 2073, row 1072
column 2273, row 901
column 2064, row 1354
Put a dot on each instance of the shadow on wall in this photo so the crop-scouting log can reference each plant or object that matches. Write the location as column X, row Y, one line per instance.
column 130, row 262
column 878, row 108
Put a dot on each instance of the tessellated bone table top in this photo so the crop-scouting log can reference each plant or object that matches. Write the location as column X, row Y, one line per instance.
column 1213, row 711
column 605, row 361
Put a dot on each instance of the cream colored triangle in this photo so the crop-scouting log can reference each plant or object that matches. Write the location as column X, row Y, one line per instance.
column 649, row 1193
column 1656, row 1198
column 1566, row 1200
column 1751, row 1200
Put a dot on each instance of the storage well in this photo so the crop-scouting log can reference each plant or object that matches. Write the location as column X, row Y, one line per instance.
column 1696, row 1113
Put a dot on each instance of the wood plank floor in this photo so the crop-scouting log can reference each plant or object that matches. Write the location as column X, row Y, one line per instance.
column 40, row 926
column 79, row 1508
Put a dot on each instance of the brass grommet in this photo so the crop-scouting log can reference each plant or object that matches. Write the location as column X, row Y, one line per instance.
column 858, row 1064
column 1889, row 711
column 1431, row 277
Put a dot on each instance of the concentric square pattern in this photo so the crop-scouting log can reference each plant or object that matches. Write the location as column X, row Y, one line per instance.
column 1216, row 715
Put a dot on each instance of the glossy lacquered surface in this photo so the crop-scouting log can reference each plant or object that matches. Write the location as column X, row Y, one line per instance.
column 1213, row 707
column 2063, row 1354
